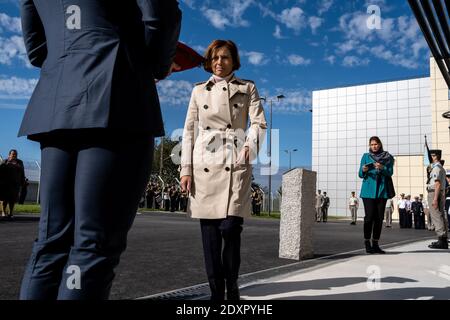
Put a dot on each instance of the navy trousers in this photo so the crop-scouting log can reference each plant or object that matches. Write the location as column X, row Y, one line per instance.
column 91, row 184
column 222, row 265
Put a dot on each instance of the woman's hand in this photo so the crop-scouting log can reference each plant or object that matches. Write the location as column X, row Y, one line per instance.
column 186, row 183
column 365, row 169
column 378, row 166
column 244, row 156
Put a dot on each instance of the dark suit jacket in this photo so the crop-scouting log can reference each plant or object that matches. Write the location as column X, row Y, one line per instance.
column 98, row 63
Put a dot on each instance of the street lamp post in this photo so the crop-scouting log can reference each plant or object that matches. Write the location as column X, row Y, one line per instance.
column 290, row 153
column 279, row 97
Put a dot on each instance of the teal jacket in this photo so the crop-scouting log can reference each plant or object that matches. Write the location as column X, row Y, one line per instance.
column 369, row 185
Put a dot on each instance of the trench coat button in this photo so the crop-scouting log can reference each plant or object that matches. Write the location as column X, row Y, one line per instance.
column 227, row 169
column 206, row 170
column 207, row 128
column 208, row 88
column 235, row 105
column 229, row 126
column 205, row 106
column 224, row 89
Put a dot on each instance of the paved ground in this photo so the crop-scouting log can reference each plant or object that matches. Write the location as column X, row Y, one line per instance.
column 164, row 251
column 406, row 272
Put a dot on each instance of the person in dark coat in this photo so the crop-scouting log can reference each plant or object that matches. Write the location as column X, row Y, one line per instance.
column 418, row 212
column 24, row 191
column 13, row 178
column 95, row 105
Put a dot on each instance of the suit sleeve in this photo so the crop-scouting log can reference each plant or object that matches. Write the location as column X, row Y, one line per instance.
column 162, row 21
column 33, row 33
column 189, row 133
column 258, row 124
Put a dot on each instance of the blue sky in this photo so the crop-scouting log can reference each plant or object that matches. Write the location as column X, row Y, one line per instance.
column 287, row 46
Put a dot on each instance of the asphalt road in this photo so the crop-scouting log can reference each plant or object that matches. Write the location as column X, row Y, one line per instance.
column 164, row 251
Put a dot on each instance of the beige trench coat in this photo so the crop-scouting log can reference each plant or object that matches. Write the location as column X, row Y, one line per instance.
column 215, row 131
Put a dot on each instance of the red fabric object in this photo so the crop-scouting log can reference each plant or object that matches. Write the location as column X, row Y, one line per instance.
column 187, row 58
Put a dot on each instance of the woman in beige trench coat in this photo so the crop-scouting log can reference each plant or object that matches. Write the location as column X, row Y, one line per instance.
column 218, row 147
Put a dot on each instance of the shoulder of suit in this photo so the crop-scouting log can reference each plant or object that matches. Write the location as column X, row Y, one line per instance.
column 246, row 80
column 200, row 83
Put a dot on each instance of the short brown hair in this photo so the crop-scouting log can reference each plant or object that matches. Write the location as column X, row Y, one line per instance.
column 216, row 44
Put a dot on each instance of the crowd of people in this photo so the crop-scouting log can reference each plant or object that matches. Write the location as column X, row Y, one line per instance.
column 167, row 198
column 13, row 184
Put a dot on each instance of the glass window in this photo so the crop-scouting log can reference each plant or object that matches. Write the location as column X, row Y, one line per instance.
column 351, row 91
column 332, row 102
column 332, row 93
column 382, row 115
column 393, row 132
column 381, row 96
column 403, row 103
column 371, row 115
column 361, row 107
column 391, row 95
column 401, row 85
column 391, row 86
column 371, row 97
column 381, row 87
column 342, row 92
column 414, row 93
column 381, row 105
column 361, row 98
column 351, row 108
column 371, row 88
column 402, row 94
column 413, row 83
column 414, row 103
column 416, row 129
column 351, row 126
column 351, row 99
column 360, row 125
column 342, row 101
column 392, row 104
column 403, row 148
column 351, row 117
column 381, row 123
column 361, row 89
column 414, row 112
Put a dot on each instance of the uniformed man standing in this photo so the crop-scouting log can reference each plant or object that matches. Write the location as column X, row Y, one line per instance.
column 319, row 203
column 436, row 200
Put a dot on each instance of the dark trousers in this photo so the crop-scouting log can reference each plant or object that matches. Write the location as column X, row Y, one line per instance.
column 402, row 216
column 221, row 265
column 325, row 214
column 82, row 230
column 373, row 219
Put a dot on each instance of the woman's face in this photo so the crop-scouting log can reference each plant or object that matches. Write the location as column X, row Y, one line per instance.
column 374, row 146
column 222, row 62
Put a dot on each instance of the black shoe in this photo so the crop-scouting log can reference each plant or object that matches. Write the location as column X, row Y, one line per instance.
column 233, row 292
column 369, row 248
column 376, row 248
column 217, row 290
column 352, row 223
column 440, row 244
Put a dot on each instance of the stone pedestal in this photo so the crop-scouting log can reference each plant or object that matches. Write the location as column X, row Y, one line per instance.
column 297, row 214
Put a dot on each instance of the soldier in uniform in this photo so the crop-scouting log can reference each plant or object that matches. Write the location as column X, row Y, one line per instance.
column 436, row 200
column 319, row 203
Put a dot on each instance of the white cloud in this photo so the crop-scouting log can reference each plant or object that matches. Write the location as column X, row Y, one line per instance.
column 398, row 42
column 189, row 3
column 297, row 60
column 293, row 18
column 295, row 101
column 11, row 24
column 353, row 61
column 230, row 15
column 256, row 58
column 12, row 48
column 277, row 32
column 324, row 6
column 174, row 92
column 315, row 23
column 330, row 59
column 16, row 88
column 216, row 18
